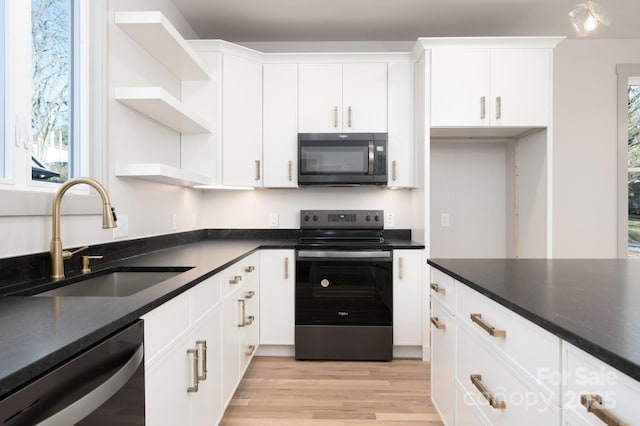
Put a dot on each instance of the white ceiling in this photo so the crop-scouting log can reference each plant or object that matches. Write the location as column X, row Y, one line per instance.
column 395, row 20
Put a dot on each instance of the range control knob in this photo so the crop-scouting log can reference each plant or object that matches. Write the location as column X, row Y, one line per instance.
column 306, row 218
column 368, row 218
column 315, row 218
column 377, row 218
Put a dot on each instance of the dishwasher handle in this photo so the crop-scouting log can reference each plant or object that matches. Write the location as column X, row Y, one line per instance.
column 84, row 406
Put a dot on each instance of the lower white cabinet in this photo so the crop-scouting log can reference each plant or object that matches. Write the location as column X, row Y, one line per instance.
column 407, row 297
column 277, row 297
column 612, row 396
column 199, row 344
column 443, row 344
column 183, row 380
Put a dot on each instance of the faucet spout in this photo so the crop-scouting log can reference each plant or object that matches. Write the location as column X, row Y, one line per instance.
column 55, row 249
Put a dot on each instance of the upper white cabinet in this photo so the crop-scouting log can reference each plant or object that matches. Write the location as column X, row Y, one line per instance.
column 241, row 121
column 506, row 83
column 401, row 138
column 280, row 126
column 343, row 98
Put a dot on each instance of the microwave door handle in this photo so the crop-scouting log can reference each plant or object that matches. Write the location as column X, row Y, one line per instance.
column 370, row 157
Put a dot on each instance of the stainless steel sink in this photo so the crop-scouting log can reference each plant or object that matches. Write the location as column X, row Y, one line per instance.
column 115, row 283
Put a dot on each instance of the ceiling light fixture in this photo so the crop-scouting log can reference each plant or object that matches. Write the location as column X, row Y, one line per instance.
column 586, row 17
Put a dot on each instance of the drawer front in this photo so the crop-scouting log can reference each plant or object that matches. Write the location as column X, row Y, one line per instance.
column 467, row 413
column 443, row 334
column 524, row 405
column 204, row 297
column 588, row 377
column 241, row 273
column 534, row 350
column 165, row 324
column 443, row 288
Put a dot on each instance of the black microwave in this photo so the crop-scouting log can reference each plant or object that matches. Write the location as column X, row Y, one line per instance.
column 342, row 159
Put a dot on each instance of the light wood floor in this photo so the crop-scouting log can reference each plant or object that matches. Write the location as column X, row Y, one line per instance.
column 284, row 392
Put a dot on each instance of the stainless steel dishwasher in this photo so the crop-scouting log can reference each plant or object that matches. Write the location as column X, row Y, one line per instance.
column 103, row 385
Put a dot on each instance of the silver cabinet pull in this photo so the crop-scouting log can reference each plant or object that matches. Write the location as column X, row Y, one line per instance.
column 236, row 279
column 257, row 169
column 251, row 348
column 394, row 170
column 202, row 345
column 194, row 354
column 436, row 323
column 249, row 320
column 593, row 404
column 477, row 318
column 290, row 170
column 243, row 312
column 335, row 116
column 349, row 116
column 498, row 107
column 483, row 107
column 435, row 287
column 476, row 380
column 286, row 268
column 249, row 294
column 249, row 268
column 400, row 268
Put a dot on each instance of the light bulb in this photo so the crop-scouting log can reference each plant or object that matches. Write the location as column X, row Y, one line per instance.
column 590, row 23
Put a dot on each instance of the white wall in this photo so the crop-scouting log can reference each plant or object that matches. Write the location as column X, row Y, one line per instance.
column 585, row 146
column 251, row 209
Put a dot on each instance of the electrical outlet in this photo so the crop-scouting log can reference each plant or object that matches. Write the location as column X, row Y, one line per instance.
column 389, row 219
column 273, row 219
column 174, row 221
column 444, row 219
column 122, row 230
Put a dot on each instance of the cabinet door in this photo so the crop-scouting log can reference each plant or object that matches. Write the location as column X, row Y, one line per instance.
column 241, row 122
column 364, row 98
column 230, row 326
column 320, row 98
column 166, row 382
column 459, row 82
column 407, row 285
column 401, row 146
column 206, row 403
column 442, row 361
column 280, row 142
column 277, row 297
column 521, row 79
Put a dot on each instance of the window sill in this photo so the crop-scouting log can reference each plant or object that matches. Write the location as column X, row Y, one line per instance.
column 39, row 202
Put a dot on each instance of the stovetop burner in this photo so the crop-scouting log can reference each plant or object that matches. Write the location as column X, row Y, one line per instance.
column 341, row 229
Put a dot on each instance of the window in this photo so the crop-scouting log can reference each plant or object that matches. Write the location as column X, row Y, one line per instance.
column 52, row 82
column 3, row 117
column 633, row 153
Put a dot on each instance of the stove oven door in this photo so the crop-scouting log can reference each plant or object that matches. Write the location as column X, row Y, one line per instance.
column 343, row 304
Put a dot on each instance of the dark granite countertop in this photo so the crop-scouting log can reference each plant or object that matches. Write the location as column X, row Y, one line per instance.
column 37, row 333
column 592, row 303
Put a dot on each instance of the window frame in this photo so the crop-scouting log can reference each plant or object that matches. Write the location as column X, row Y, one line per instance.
column 626, row 74
column 21, row 195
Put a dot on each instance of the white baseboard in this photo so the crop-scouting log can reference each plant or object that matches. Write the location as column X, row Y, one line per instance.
column 415, row 352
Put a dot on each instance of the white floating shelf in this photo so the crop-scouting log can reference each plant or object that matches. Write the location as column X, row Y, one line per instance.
column 153, row 31
column 161, row 173
column 158, row 104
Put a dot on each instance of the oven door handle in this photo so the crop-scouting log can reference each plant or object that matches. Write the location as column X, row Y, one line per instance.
column 344, row 254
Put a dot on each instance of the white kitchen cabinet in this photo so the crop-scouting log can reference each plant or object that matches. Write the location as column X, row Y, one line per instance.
column 443, row 334
column 401, row 137
column 277, row 297
column 407, row 297
column 498, row 87
column 241, row 121
column 280, row 127
column 175, row 334
column 342, row 98
column 240, row 321
column 589, row 379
